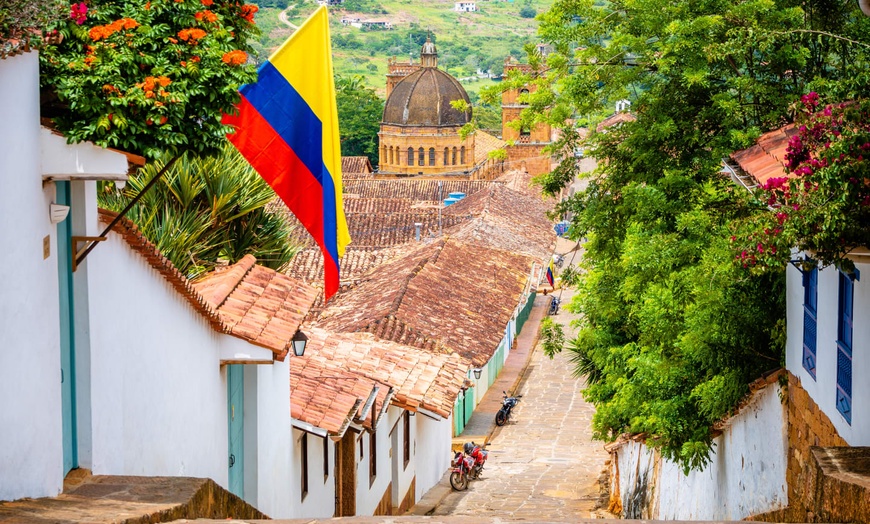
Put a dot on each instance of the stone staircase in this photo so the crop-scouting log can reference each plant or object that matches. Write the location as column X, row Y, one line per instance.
column 129, row 500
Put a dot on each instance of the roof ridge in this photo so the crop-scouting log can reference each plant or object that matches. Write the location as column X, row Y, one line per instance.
column 232, row 276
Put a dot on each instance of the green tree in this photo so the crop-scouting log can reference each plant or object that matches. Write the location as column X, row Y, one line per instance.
column 671, row 329
column 150, row 76
column 206, row 211
column 359, row 115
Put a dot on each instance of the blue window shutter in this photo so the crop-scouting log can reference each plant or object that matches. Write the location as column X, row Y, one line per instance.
column 844, row 347
column 810, row 301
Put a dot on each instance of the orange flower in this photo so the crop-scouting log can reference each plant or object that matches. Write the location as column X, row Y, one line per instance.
column 129, row 23
column 148, row 5
column 197, row 34
column 195, row 58
column 247, row 12
column 236, row 57
column 105, row 31
column 192, row 36
column 207, row 3
column 163, row 81
column 162, row 120
column 183, row 63
column 206, row 15
column 149, row 94
column 90, row 59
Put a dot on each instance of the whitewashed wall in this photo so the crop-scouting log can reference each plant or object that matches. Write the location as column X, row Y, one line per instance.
column 431, row 450
column 31, row 449
column 369, row 494
column 158, row 394
column 320, row 500
column 745, row 477
column 822, row 389
column 401, row 474
column 273, row 465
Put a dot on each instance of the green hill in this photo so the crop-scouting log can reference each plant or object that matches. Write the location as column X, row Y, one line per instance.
column 467, row 42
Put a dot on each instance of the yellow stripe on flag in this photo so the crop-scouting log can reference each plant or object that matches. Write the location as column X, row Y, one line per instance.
column 305, row 60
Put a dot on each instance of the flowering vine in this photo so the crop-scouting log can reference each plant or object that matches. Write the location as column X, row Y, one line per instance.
column 823, row 204
column 149, row 76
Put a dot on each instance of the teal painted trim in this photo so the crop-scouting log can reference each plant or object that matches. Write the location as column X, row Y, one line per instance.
column 236, row 428
column 524, row 313
column 66, row 316
column 469, row 404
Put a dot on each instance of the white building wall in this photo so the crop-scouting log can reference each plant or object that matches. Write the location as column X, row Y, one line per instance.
column 402, row 475
column 822, row 389
column 158, row 394
column 431, row 451
column 320, row 500
column 274, row 464
column 746, row 475
column 369, row 492
column 31, row 450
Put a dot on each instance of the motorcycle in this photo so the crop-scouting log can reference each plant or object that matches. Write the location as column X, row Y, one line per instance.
column 554, row 305
column 507, row 405
column 462, row 465
column 479, row 455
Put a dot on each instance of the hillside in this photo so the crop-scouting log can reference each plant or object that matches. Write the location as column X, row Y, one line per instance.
column 467, row 41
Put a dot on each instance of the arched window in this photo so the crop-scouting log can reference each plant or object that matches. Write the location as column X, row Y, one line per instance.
column 421, row 157
column 454, row 156
column 410, row 156
column 462, row 155
column 523, row 93
column 383, row 154
column 446, row 156
column 525, row 131
column 391, row 155
column 431, row 156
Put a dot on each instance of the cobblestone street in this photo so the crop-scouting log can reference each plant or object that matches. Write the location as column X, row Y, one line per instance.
column 543, row 463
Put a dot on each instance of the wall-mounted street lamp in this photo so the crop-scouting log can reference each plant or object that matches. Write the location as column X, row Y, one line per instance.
column 299, row 342
column 477, row 372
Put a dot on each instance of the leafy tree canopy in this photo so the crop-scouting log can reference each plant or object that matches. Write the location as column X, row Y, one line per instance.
column 359, row 115
column 150, row 77
column 206, row 211
column 671, row 329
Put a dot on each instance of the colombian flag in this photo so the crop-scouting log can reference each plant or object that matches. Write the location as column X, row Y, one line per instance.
column 551, row 273
column 287, row 128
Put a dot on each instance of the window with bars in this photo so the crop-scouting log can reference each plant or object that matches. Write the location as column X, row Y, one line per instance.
column 421, row 157
column 811, row 295
column 325, row 459
column 431, row 156
column 844, row 345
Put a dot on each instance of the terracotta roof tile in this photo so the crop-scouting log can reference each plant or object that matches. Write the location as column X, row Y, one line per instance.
column 419, row 378
column 416, row 190
column 614, row 119
column 766, row 159
column 356, row 165
column 258, row 304
column 445, row 296
column 484, row 143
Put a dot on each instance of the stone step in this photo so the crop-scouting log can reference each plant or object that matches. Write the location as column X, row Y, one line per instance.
column 130, row 500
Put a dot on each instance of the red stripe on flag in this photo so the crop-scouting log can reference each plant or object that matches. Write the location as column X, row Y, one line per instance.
column 282, row 169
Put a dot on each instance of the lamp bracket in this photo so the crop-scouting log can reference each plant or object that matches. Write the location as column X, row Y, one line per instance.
column 76, row 252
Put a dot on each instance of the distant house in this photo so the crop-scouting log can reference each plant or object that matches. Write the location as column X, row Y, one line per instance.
column 465, row 7
column 377, row 24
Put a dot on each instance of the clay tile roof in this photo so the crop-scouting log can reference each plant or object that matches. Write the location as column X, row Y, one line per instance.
column 330, row 398
column 247, row 301
column 766, row 159
column 505, row 219
column 420, row 379
column 416, row 190
column 484, row 143
column 445, row 296
column 356, row 165
column 614, row 119
column 258, row 304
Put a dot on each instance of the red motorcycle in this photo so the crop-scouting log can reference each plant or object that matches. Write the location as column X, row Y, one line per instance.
column 467, row 464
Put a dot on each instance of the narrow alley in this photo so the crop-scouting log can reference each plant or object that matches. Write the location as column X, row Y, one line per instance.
column 543, row 462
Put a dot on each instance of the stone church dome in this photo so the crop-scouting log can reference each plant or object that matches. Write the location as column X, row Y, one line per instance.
column 423, row 99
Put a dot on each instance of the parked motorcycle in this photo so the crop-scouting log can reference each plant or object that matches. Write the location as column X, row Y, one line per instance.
column 462, row 465
column 554, row 305
column 479, row 455
column 507, row 405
